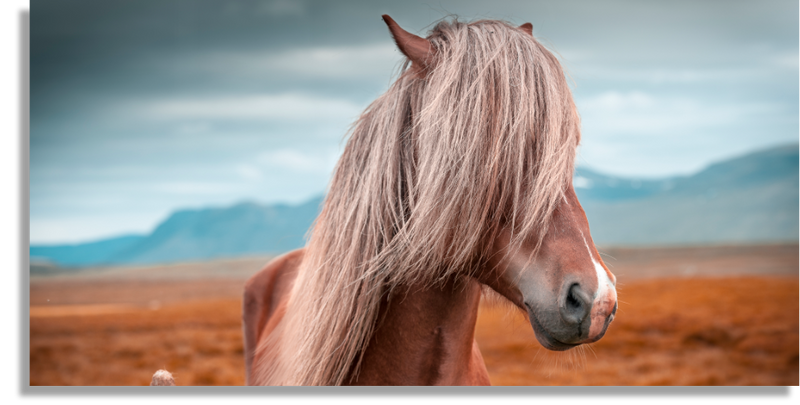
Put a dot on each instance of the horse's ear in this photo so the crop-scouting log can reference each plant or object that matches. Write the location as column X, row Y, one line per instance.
column 527, row 27
column 419, row 50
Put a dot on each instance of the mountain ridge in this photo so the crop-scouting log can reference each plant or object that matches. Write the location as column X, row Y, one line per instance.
column 752, row 198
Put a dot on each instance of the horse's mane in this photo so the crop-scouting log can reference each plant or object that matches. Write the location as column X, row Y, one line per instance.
column 431, row 172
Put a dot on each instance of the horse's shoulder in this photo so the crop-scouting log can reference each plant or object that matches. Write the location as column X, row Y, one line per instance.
column 267, row 288
column 274, row 278
column 263, row 294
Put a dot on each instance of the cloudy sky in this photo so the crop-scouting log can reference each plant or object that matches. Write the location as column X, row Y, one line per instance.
column 142, row 107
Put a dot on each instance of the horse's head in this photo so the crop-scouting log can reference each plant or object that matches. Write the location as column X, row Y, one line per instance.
column 494, row 131
column 564, row 286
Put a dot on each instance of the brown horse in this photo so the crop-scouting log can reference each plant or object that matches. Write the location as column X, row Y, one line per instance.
column 458, row 177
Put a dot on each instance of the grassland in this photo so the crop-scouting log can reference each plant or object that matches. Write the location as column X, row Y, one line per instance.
column 687, row 316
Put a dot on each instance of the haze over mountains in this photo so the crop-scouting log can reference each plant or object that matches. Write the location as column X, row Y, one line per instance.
column 753, row 198
column 241, row 230
column 749, row 199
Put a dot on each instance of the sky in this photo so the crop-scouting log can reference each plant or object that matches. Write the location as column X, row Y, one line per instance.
column 139, row 108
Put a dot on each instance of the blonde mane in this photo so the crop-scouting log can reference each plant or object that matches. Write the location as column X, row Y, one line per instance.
column 432, row 170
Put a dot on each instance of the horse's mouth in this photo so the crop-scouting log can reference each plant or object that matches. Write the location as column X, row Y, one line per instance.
column 544, row 337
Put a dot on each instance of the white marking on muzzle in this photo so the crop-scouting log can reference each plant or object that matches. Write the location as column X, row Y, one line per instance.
column 604, row 298
column 604, row 283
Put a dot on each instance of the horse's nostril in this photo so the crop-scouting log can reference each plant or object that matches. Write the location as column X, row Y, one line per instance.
column 572, row 301
column 576, row 305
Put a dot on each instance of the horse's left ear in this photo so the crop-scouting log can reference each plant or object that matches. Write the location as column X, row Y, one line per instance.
column 527, row 27
column 419, row 50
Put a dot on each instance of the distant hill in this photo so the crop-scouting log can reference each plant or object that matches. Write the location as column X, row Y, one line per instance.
column 84, row 253
column 244, row 229
column 240, row 230
column 594, row 186
column 752, row 198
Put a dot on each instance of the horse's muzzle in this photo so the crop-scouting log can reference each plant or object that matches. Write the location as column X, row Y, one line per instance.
column 578, row 319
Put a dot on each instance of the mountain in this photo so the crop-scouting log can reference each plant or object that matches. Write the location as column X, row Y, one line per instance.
column 244, row 229
column 752, row 198
column 240, row 230
column 594, row 186
column 85, row 253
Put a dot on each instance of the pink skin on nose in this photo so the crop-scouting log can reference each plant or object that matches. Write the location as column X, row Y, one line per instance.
column 603, row 305
column 605, row 297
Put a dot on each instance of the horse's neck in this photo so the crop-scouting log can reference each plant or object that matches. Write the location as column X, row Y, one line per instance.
column 425, row 337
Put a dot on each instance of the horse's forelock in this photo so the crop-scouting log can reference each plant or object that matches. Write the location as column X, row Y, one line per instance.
column 430, row 172
column 498, row 126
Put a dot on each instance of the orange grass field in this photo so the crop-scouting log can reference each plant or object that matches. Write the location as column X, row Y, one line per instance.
column 687, row 316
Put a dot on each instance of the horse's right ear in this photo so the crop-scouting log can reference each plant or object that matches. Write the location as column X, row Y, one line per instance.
column 527, row 27
column 419, row 50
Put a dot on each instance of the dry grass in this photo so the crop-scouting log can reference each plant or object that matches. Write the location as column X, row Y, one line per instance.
column 200, row 342
column 700, row 331
column 740, row 330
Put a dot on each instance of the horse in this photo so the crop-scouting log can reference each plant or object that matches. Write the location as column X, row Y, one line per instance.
column 456, row 180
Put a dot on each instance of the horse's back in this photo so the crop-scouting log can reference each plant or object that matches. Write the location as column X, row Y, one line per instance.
column 265, row 296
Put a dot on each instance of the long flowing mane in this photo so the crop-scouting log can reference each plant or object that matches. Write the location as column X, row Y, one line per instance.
column 432, row 170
